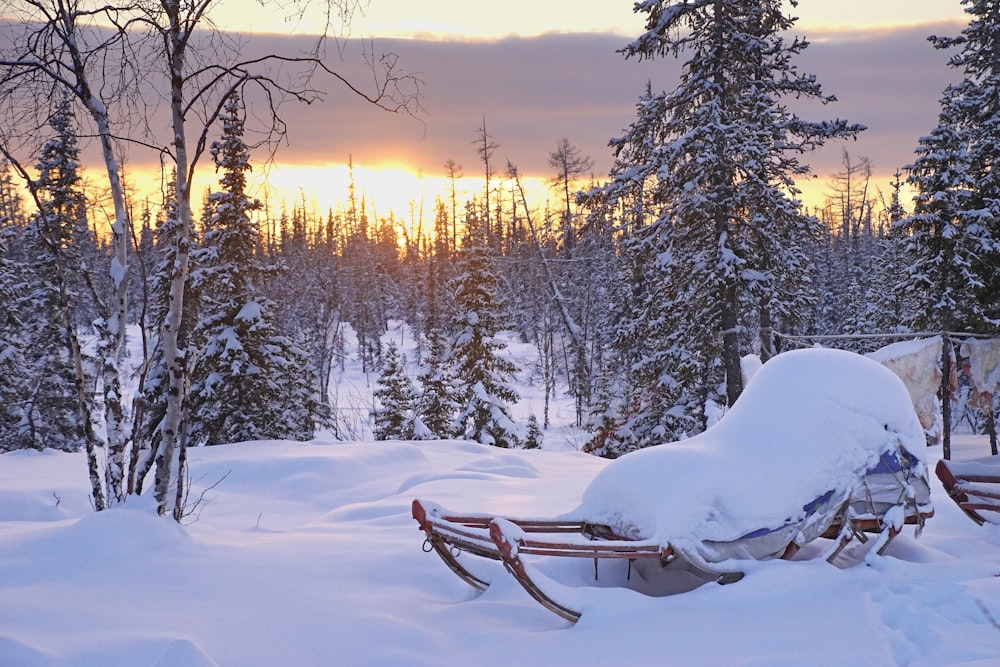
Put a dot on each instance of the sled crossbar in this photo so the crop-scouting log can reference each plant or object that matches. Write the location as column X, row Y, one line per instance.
column 579, row 539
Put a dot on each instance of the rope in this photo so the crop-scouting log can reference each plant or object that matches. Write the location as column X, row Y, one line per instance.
column 916, row 334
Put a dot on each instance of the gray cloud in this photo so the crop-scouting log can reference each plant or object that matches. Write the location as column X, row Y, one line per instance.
column 533, row 91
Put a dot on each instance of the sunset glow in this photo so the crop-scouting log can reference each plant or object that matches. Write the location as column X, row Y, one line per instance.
column 398, row 161
column 453, row 18
column 387, row 190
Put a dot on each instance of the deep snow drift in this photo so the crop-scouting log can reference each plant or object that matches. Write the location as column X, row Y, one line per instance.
column 306, row 554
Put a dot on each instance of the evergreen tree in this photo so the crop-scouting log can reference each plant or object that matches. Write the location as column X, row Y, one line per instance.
column 15, row 376
column 53, row 415
column 713, row 164
column 484, row 375
column 437, row 404
column 953, row 235
column 248, row 381
column 533, row 438
column 393, row 416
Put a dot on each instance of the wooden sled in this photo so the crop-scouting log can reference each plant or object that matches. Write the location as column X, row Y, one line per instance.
column 505, row 539
column 974, row 485
column 449, row 534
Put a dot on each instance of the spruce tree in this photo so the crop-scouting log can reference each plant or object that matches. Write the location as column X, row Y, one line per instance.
column 15, row 376
column 437, row 404
column 392, row 417
column 248, row 381
column 712, row 164
column 485, row 393
column 953, row 235
column 55, row 405
column 533, row 438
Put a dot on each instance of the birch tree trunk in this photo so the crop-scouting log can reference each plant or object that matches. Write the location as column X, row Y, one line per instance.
column 174, row 357
column 111, row 326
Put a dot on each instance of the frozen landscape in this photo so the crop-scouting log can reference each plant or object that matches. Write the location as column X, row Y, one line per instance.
column 306, row 554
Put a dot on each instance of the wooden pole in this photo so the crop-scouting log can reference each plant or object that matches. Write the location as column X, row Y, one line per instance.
column 945, row 394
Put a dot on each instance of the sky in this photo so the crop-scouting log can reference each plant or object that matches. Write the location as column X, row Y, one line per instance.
column 437, row 19
column 536, row 72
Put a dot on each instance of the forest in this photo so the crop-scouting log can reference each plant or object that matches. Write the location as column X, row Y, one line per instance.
column 641, row 291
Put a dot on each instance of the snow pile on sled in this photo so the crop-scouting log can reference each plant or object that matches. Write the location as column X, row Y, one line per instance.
column 795, row 447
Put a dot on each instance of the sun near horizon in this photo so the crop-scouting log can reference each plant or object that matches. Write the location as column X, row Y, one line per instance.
column 393, row 185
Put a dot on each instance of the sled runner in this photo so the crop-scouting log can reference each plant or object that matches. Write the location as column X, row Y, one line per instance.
column 820, row 444
column 506, row 539
column 974, row 485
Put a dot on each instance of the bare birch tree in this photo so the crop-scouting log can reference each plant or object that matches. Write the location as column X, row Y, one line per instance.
column 174, row 46
column 59, row 47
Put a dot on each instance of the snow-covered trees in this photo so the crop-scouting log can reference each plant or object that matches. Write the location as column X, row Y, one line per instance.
column 247, row 381
column 483, row 373
column 199, row 75
column 14, row 374
column 52, row 414
column 712, row 164
column 393, row 417
column 953, row 236
column 437, row 404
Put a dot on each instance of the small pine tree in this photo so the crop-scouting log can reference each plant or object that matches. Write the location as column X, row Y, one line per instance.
column 437, row 404
column 611, row 435
column 533, row 438
column 393, row 418
column 484, row 374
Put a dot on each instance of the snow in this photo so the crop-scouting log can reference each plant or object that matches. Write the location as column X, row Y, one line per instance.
column 811, row 421
column 250, row 312
column 306, row 554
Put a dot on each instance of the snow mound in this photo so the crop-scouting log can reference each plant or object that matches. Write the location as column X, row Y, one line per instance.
column 14, row 652
column 810, row 423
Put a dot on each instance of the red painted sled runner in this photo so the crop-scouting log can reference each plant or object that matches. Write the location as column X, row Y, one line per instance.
column 974, row 485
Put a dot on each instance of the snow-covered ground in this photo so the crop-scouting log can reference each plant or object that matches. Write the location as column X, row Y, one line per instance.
column 305, row 554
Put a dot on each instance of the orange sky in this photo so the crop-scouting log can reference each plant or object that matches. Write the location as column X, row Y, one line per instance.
column 535, row 87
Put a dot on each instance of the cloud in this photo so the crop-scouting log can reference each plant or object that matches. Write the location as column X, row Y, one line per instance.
column 889, row 80
column 534, row 91
column 531, row 91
